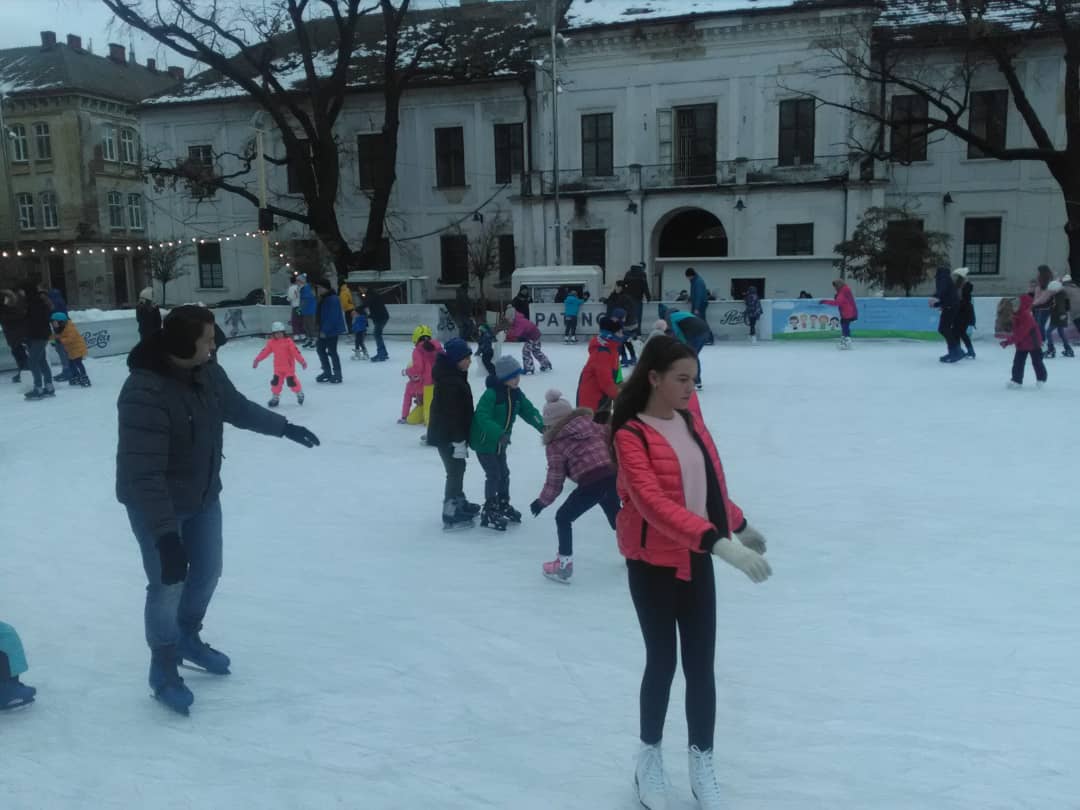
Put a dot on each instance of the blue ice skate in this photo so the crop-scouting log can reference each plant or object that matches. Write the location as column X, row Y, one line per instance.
column 193, row 649
column 15, row 693
column 168, row 686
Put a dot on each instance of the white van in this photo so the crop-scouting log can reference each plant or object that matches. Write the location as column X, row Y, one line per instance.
column 544, row 282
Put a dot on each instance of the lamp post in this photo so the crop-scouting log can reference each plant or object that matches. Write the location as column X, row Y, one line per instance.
column 257, row 121
column 555, row 129
column 5, row 136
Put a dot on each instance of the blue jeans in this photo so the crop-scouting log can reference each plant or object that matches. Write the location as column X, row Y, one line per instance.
column 1042, row 318
column 580, row 501
column 172, row 610
column 380, row 347
column 65, row 363
column 845, row 327
column 697, row 344
column 39, row 363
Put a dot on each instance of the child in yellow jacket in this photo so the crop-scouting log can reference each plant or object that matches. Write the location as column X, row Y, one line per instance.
column 67, row 334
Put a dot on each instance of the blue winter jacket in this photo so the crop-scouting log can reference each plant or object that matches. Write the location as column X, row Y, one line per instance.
column 572, row 305
column 686, row 327
column 359, row 323
column 699, row 294
column 331, row 318
column 753, row 304
column 945, row 293
column 309, row 302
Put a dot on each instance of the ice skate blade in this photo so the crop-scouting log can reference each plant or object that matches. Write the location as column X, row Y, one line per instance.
column 18, row 704
column 457, row 527
column 184, row 711
column 185, row 664
column 556, row 578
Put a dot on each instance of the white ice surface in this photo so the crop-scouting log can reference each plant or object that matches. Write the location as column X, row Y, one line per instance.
column 917, row 647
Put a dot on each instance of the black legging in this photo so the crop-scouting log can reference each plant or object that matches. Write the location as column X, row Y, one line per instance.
column 21, row 357
column 580, row 501
column 326, row 347
column 455, row 472
column 946, row 329
column 663, row 602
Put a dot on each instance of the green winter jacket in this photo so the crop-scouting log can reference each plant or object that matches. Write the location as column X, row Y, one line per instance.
column 495, row 414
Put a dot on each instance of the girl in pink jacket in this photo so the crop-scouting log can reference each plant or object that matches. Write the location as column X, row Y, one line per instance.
column 528, row 334
column 419, row 388
column 286, row 356
column 849, row 310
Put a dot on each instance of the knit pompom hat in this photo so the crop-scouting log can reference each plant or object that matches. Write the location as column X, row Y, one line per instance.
column 456, row 350
column 506, row 368
column 556, row 408
column 660, row 326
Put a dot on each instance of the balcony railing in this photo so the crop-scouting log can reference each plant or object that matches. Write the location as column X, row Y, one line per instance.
column 740, row 172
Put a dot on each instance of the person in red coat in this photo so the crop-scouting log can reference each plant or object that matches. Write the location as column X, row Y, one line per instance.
column 1027, row 339
column 597, row 386
column 676, row 511
column 849, row 310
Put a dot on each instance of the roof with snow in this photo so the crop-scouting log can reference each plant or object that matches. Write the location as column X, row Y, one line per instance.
column 597, row 13
column 1001, row 16
column 59, row 67
column 481, row 41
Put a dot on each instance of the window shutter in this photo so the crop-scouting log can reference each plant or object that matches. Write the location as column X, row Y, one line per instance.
column 664, row 153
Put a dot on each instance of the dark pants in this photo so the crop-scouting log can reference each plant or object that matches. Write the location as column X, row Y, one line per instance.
column 1061, row 334
column 380, row 347
column 626, row 351
column 172, row 610
column 297, row 322
column 753, row 326
column 39, row 363
column 961, row 336
column 1042, row 318
column 1020, row 361
column 845, row 327
column 487, row 359
column 571, row 325
column 664, row 603
column 328, row 356
column 580, row 501
column 697, row 343
column 22, row 358
column 77, row 369
column 359, row 343
column 455, row 472
column 497, row 482
column 311, row 328
column 947, row 329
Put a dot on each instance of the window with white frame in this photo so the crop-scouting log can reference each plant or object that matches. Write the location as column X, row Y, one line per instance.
column 108, row 143
column 43, row 141
column 50, row 215
column 129, row 152
column 135, row 211
column 116, row 210
column 982, row 245
column 25, row 202
column 201, row 163
column 20, row 152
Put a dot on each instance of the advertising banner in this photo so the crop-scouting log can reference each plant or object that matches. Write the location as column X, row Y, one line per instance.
column 804, row 319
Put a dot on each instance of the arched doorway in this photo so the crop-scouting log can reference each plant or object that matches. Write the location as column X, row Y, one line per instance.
column 692, row 233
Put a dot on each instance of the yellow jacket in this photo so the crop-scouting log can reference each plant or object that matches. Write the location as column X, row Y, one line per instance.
column 72, row 340
column 346, row 298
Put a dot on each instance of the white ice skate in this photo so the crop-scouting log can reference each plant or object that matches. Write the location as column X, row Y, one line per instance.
column 703, row 782
column 649, row 778
column 1013, row 385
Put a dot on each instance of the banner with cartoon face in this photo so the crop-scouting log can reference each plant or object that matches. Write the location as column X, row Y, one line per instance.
column 911, row 318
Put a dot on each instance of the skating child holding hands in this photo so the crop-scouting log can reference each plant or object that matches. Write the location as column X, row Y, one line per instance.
column 286, row 356
column 419, row 388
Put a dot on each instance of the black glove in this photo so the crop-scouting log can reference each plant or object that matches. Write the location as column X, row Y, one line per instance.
column 300, row 435
column 536, row 507
column 174, row 559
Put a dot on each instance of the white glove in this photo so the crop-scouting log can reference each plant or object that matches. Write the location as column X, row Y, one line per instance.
column 461, row 450
column 735, row 554
column 752, row 539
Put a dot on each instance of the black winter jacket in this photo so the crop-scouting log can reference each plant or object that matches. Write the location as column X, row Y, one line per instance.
column 149, row 318
column 13, row 322
column 168, row 459
column 450, row 417
column 38, row 310
column 965, row 315
column 377, row 307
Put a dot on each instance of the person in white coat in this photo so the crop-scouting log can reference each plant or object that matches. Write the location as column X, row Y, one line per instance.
column 293, row 295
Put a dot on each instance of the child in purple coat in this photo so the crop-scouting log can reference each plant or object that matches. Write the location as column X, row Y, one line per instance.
column 523, row 330
column 577, row 448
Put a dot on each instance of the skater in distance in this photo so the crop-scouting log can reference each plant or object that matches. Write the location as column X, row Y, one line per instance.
column 172, row 410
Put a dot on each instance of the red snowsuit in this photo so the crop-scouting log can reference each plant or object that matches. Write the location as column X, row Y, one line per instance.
column 419, row 374
column 654, row 525
column 596, row 385
column 286, row 356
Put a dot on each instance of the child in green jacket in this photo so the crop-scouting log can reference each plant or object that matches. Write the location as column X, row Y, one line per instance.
column 492, row 423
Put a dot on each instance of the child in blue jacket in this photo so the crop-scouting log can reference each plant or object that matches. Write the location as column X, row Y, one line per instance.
column 13, row 692
column 359, row 330
column 486, row 349
column 571, row 308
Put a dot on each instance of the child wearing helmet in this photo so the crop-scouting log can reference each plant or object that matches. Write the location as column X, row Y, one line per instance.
column 66, row 334
column 286, row 356
column 420, row 387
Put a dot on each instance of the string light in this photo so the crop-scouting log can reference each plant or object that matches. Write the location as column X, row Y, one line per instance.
column 79, row 249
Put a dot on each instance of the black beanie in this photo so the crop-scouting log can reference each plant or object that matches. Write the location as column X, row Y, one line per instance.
column 183, row 326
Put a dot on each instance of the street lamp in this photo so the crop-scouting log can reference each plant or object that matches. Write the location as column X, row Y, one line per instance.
column 257, row 122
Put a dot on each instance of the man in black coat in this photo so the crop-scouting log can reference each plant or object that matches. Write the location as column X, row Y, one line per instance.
column 172, row 409
column 449, row 422
column 521, row 301
column 379, row 315
column 636, row 285
column 38, row 331
column 13, row 322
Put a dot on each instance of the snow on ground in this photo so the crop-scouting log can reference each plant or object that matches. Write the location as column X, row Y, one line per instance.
column 916, row 648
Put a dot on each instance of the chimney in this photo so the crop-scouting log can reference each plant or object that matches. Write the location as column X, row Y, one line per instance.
column 177, row 73
column 74, row 42
column 116, row 53
column 48, row 40
column 151, row 65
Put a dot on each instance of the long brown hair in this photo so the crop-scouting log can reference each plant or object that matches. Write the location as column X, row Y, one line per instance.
column 659, row 355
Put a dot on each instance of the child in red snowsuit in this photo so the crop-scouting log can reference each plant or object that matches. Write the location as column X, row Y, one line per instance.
column 1028, row 341
column 420, row 387
column 286, row 356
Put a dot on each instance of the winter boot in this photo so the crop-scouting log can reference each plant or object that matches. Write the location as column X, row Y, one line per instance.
column 63, row 376
column 15, row 693
column 703, row 782
column 73, row 381
column 17, row 377
column 1014, row 385
column 470, row 508
column 194, row 649
column 84, row 381
column 336, row 379
column 36, row 394
column 492, row 518
column 454, row 515
column 49, row 391
column 274, row 402
column 324, row 378
column 560, row 569
column 299, row 397
column 166, row 682
column 511, row 514
column 1050, row 352
column 649, row 778
column 970, row 355
column 1067, row 352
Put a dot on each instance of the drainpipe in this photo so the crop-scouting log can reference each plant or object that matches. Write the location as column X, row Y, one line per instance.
column 843, row 259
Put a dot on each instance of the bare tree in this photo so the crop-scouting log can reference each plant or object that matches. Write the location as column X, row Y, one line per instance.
column 298, row 70
column 890, row 250
column 484, row 249
column 165, row 264
column 934, row 52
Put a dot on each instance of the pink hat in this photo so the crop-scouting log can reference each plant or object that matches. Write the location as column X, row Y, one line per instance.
column 556, row 408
